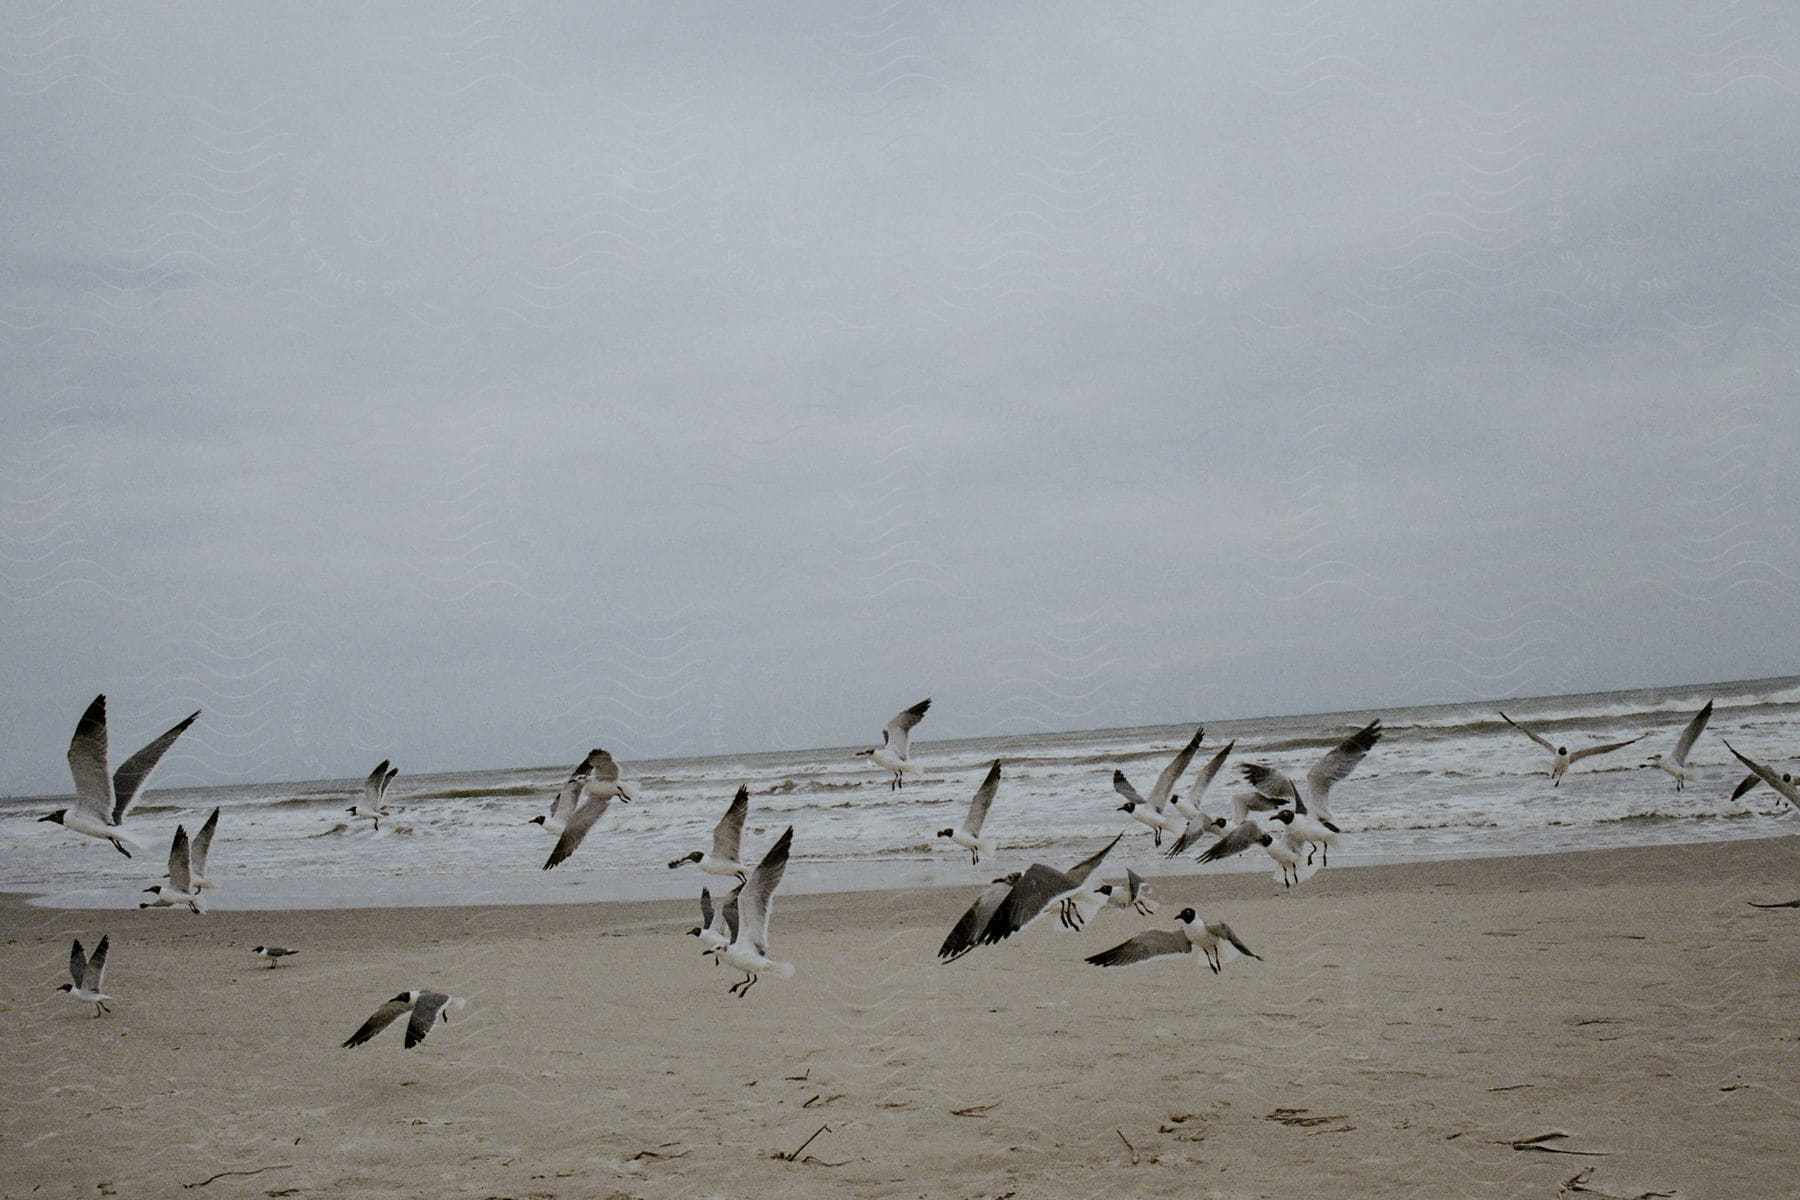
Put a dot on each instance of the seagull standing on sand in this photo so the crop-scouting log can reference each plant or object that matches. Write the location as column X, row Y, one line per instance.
column 968, row 834
column 749, row 950
column 1314, row 824
column 1154, row 811
column 1561, row 758
column 891, row 754
column 89, row 975
column 181, row 888
column 427, row 1008
column 374, row 793
column 273, row 954
column 101, row 801
column 727, row 841
column 1204, row 939
column 1676, row 763
column 1038, row 888
column 1783, row 785
column 603, row 784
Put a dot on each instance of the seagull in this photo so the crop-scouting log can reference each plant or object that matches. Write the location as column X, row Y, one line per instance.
column 102, row 802
column 1676, row 763
column 1286, row 847
column 568, row 797
column 374, row 792
column 718, row 926
column 1236, row 840
column 1190, row 806
column 1209, row 938
column 1200, row 826
column 1080, row 905
column 197, row 852
column 968, row 928
column 274, row 954
column 1037, row 888
column 89, row 975
column 603, row 784
column 1315, row 824
column 1136, row 894
column 727, row 842
column 1562, row 760
column 968, row 835
column 1248, row 800
column 1752, row 779
column 427, row 1008
column 181, row 888
column 749, row 950
column 1783, row 785
column 892, row 751
column 1154, row 811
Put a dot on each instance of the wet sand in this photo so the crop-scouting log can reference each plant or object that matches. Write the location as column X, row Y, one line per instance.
column 1408, row 1025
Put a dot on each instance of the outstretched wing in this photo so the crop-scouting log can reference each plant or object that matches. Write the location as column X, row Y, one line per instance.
column 896, row 733
column 568, row 796
column 1165, row 782
column 1204, row 778
column 202, row 845
column 1123, row 786
column 1201, row 826
column 87, row 763
column 591, row 810
column 1589, row 751
column 706, row 908
column 1236, row 841
column 1220, row 929
column 1692, row 733
column 1336, row 764
column 378, row 1021
column 728, row 834
column 1749, row 781
column 77, row 962
column 180, row 878
column 93, row 976
column 1081, row 870
column 1534, row 737
column 424, row 1016
column 984, row 798
column 1785, row 788
column 373, row 785
column 1269, row 782
column 1152, row 943
column 759, row 893
column 129, row 779
column 1034, row 891
column 964, row 934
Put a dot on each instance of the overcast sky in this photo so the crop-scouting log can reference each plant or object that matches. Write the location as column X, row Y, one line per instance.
column 473, row 388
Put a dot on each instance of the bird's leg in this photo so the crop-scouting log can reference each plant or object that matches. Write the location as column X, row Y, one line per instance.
column 1156, row 837
column 974, row 858
column 1309, row 854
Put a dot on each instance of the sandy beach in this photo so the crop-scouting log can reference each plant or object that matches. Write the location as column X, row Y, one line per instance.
column 1409, row 1024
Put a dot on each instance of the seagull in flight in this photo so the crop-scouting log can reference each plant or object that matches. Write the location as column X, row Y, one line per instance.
column 1154, row 811
column 374, row 793
column 1314, row 823
column 1037, row 888
column 749, row 950
column 1203, row 939
column 718, row 926
column 1752, row 779
column 89, row 975
column 181, row 889
column 1561, row 758
column 197, row 852
column 891, row 754
column 602, row 786
column 1189, row 806
column 968, row 927
column 427, row 1009
column 1783, row 785
column 968, row 834
column 102, row 801
column 568, row 797
column 1676, row 763
column 1134, row 895
column 727, row 841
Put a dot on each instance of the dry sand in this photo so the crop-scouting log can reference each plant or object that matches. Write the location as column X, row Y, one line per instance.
column 1409, row 1024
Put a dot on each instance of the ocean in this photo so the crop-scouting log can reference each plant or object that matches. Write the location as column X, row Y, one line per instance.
column 1445, row 781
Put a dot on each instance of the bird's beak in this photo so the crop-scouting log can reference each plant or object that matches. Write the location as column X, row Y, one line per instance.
column 51, row 817
column 1123, row 808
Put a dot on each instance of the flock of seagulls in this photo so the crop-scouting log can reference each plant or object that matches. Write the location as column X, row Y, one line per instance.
column 1290, row 820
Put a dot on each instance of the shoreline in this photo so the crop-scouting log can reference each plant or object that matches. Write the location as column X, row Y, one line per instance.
column 590, row 886
column 1407, row 1025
